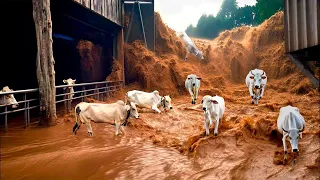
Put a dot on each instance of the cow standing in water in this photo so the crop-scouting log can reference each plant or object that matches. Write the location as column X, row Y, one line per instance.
column 256, row 81
column 8, row 98
column 69, row 89
column 117, row 112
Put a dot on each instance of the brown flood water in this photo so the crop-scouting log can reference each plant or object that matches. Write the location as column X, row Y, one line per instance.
column 55, row 153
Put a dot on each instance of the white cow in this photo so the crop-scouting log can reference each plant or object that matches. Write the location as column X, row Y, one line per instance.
column 149, row 100
column 256, row 81
column 190, row 46
column 193, row 85
column 8, row 98
column 291, row 124
column 69, row 89
column 116, row 112
column 213, row 107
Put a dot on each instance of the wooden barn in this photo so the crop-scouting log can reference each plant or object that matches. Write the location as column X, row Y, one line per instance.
column 302, row 35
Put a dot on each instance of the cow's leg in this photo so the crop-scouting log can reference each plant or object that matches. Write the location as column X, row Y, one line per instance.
column 216, row 124
column 262, row 91
column 191, row 93
column 117, row 127
column 196, row 96
column 88, row 124
column 155, row 108
column 285, row 146
column 122, row 129
column 206, row 123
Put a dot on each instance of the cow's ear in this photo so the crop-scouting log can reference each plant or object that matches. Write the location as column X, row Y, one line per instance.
column 127, row 107
column 74, row 81
column 64, row 81
column 263, row 77
column 214, row 101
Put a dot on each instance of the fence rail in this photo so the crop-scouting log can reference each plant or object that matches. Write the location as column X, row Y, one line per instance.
column 99, row 91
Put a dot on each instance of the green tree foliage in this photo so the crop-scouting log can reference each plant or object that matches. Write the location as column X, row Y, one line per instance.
column 266, row 8
column 230, row 16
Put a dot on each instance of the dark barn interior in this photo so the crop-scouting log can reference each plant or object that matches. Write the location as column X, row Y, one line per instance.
column 147, row 13
column 83, row 43
column 71, row 24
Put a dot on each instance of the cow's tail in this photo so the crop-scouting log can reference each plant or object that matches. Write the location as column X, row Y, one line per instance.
column 77, row 124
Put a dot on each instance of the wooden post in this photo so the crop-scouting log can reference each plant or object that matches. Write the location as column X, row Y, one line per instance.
column 120, row 51
column 45, row 61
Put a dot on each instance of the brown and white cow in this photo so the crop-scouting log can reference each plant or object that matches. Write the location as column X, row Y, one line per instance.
column 116, row 112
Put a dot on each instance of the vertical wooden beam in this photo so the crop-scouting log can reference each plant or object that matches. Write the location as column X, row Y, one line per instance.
column 293, row 25
column 142, row 26
column 120, row 50
column 287, row 26
column 302, row 21
column 130, row 24
column 45, row 61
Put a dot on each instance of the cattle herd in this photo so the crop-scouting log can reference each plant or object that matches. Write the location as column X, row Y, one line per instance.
column 290, row 122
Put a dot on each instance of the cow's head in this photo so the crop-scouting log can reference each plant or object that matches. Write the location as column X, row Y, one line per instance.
column 208, row 102
column 200, row 55
column 9, row 98
column 133, row 110
column 293, row 135
column 166, row 102
column 193, row 79
column 69, row 82
column 257, row 78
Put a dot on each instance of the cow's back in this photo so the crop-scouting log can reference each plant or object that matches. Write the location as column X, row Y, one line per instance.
column 142, row 99
column 283, row 118
column 221, row 104
column 102, row 112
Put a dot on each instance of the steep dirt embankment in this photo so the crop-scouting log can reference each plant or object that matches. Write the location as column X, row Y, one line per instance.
column 248, row 144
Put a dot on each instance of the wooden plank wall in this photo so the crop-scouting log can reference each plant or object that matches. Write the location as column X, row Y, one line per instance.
column 302, row 24
column 111, row 9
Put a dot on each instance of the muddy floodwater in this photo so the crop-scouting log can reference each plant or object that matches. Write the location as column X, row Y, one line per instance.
column 170, row 145
column 56, row 153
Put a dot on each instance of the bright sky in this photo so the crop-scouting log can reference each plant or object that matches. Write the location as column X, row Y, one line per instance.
column 179, row 14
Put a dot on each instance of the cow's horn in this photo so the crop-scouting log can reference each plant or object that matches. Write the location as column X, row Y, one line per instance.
column 302, row 128
column 284, row 130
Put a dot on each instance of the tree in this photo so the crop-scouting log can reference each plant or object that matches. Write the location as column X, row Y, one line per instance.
column 191, row 30
column 245, row 15
column 45, row 61
column 266, row 8
column 227, row 13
